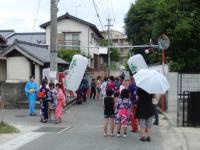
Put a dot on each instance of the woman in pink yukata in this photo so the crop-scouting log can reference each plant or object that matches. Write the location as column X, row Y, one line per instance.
column 60, row 103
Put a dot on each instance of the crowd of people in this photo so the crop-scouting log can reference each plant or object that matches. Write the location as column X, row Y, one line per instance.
column 51, row 98
column 124, row 104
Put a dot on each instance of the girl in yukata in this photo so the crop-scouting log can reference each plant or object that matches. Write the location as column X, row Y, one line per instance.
column 123, row 114
column 60, row 103
column 42, row 96
column 51, row 97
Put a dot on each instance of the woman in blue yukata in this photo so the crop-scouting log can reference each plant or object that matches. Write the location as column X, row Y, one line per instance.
column 31, row 90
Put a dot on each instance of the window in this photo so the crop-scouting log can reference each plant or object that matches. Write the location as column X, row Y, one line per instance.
column 72, row 39
column 93, row 39
column 71, row 36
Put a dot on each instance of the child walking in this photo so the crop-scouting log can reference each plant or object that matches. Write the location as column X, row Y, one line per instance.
column 51, row 97
column 93, row 89
column 42, row 95
column 60, row 103
column 109, row 112
column 123, row 114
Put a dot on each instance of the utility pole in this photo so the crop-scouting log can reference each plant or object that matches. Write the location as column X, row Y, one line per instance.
column 53, row 37
column 109, row 44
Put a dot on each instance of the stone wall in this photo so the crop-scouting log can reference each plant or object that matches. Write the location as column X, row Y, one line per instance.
column 12, row 93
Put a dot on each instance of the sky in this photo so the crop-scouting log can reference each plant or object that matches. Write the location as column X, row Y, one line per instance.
column 27, row 15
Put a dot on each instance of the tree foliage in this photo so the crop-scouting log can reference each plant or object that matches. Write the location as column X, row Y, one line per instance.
column 114, row 52
column 178, row 19
column 114, row 55
column 67, row 54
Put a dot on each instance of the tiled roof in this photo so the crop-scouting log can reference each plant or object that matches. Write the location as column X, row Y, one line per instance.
column 68, row 16
column 6, row 33
column 2, row 40
column 36, row 51
column 32, row 37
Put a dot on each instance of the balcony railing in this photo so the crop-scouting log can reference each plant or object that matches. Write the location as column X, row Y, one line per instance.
column 70, row 44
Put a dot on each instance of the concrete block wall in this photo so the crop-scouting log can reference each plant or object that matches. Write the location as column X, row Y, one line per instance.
column 172, row 98
column 12, row 93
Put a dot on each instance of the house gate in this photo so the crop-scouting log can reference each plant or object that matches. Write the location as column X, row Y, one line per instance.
column 188, row 92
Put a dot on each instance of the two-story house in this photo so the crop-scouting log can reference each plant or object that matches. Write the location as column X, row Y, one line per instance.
column 76, row 34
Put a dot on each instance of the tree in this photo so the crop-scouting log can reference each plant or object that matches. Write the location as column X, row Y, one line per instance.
column 179, row 20
column 66, row 54
column 114, row 52
column 115, row 55
column 138, row 24
column 138, row 21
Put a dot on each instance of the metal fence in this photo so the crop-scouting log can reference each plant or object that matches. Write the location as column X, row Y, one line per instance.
column 188, row 92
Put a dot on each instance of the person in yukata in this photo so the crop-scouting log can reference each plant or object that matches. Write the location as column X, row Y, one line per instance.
column 60, row 103
column 132, row 91
column 51, row 97
column 123, row 112
column 44, row 102
column 31, row 90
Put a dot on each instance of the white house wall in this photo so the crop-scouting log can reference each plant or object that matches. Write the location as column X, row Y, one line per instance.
column 68, row 25
column 18, row 68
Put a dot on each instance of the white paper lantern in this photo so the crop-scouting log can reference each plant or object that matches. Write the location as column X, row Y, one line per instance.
column 136, row 63
column 76, row 72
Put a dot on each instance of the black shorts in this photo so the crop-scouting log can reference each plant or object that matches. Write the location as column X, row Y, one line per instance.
column 109, row 116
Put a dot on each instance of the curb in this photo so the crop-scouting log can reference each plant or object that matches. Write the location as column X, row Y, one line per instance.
column 69, row 104
column 184, row 145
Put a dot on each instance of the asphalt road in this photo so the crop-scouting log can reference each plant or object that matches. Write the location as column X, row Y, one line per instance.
column 83, row 130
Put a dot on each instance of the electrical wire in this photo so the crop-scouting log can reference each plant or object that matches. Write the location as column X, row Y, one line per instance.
column 35, row 19
column 36, row 15
column 112, row 8
column 101, row 6
column 97, row 13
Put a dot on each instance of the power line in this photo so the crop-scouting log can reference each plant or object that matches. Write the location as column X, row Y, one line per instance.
column 97, row 13
column 101, row 6
column 35, row 6
column 36, row 15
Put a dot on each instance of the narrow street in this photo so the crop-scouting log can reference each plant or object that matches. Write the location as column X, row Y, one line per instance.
column 82, row 129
